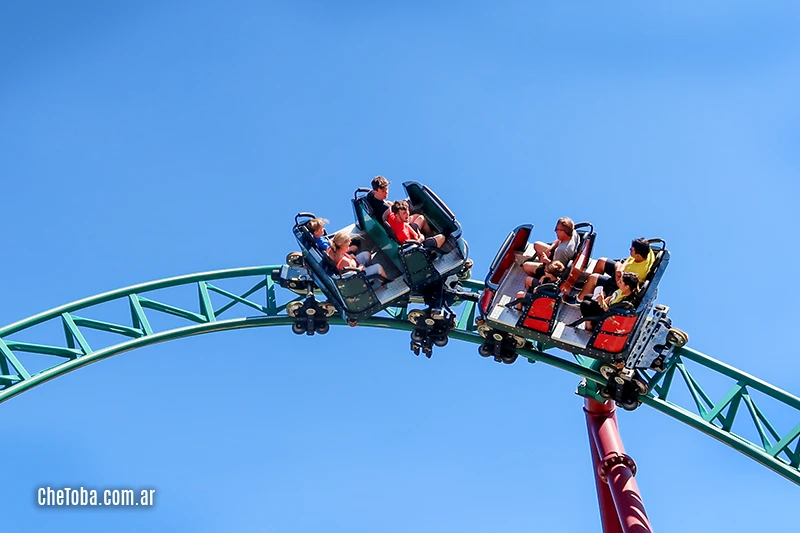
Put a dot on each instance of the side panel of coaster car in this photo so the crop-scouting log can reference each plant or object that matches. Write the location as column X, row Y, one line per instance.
column 515, row 242
column 358, row 296
column 417, row 266
column 352, row 294
column 501, row 344
column 418, row 263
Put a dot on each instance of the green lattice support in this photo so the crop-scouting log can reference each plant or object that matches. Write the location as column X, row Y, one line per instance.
column 742, row 409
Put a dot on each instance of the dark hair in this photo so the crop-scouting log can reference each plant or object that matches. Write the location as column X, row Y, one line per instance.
column 631, row 280
column 379, row 182
column 399, row 205
column 554, row 268
column 641, row 247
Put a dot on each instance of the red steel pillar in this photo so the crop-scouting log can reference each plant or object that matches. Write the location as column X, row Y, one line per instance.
column 621, row 506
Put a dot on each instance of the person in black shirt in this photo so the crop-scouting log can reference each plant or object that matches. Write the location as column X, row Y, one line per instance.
column 376, row 198
column 377, row 201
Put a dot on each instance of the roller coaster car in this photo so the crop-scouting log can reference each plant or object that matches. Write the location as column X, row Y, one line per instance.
column 432, row 274
column 545, row 318
column 506, row 329
column 352, row 293
column 420, row 266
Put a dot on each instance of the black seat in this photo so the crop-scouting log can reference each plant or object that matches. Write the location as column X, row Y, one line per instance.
column 659, row 256
column 310, row 243
column 568, row 279
column 389, row 231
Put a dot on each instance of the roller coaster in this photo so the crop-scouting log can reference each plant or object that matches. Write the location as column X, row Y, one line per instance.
column 428, row 292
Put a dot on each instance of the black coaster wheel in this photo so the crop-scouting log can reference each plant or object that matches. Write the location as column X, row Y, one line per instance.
column 509, row 358
column 606, row 392
column 629, row 404
column 441, row 341
column 484, row 350
column 500, row 345
column 310, row 316
column 417, row 336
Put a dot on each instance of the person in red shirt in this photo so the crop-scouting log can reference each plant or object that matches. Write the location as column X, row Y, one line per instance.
column 376, row 199
column 398, row 221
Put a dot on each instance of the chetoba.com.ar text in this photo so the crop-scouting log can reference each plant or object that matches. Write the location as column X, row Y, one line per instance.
column 83, row 497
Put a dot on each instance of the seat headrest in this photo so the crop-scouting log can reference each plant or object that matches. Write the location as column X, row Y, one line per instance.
column 308, row 238
column 642, row 292
column 362, row 201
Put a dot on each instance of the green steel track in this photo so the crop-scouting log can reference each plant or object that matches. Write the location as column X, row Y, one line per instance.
column 50, row 344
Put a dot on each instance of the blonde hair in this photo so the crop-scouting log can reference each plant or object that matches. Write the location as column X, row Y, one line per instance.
column 339, row 240
column 316, row 223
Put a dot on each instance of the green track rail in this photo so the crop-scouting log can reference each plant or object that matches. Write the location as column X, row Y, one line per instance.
column 50, row 344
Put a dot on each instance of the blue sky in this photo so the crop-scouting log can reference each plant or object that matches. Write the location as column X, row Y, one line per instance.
column 148, row 140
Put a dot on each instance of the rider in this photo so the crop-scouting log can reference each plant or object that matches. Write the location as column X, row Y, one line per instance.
column 317, row 228
column 562, row 249
column 607, row 273
column 552, row 271
column 376, row 199
column 398, row 220
column 338, row 252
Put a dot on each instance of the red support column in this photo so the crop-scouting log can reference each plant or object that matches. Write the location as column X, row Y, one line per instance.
column 608, row 512
column 614, row 473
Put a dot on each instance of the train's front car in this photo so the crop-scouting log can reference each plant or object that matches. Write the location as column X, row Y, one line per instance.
column 627, row 338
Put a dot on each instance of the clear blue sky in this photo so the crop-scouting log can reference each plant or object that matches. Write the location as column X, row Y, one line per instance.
column 146, row 140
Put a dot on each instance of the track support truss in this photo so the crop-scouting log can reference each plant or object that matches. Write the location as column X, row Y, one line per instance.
column 42, row 347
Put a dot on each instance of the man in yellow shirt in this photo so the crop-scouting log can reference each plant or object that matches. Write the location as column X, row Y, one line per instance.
column 640, row 262
column 607, row 273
